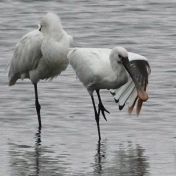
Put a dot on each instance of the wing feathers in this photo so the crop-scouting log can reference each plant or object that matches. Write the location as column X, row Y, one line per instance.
column 127, row 93
column 26, row 56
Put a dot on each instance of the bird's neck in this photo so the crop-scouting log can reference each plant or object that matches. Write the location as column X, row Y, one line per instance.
column 115, row 66
column 119, row 71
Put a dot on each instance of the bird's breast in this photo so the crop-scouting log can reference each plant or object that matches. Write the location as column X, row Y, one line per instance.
column 54, row 52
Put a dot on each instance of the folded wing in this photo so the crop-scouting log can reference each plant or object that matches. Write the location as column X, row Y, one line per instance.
column 26, row 56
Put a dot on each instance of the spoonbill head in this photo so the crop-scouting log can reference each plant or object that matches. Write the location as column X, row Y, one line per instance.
column 121, row 55
column 51, row 23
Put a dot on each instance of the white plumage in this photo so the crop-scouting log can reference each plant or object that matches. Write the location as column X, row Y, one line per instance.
column 99, row 68
column 41, row 54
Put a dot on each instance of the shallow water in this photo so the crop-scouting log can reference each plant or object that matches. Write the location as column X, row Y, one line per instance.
column 67, row 144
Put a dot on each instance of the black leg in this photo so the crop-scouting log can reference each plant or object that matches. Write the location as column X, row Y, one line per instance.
column 96, row 117
column 101, row 106
column 37, row 105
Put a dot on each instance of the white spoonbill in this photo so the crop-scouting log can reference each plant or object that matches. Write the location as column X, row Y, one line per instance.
column 99, row 68
column 41, row 54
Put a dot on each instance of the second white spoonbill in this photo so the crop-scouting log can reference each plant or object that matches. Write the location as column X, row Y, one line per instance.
column 41, row 54
column 100, row 68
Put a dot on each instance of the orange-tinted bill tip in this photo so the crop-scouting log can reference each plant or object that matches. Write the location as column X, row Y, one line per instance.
column 143, row 95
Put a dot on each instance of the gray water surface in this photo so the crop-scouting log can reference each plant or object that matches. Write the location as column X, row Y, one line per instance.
column 68, row 143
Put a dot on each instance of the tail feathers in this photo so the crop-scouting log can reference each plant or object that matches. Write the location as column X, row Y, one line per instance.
column 13, row 79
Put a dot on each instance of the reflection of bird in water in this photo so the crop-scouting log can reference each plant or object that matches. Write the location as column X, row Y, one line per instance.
column 35, row 160
column 126, row 161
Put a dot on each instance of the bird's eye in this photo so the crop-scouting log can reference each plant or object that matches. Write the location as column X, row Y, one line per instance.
column 40, row 28
column 120, row 59
column 119, row 56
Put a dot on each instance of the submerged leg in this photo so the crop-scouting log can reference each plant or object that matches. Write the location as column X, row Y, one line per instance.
column 101, row 106
column 37, row 105
column 96, row 117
